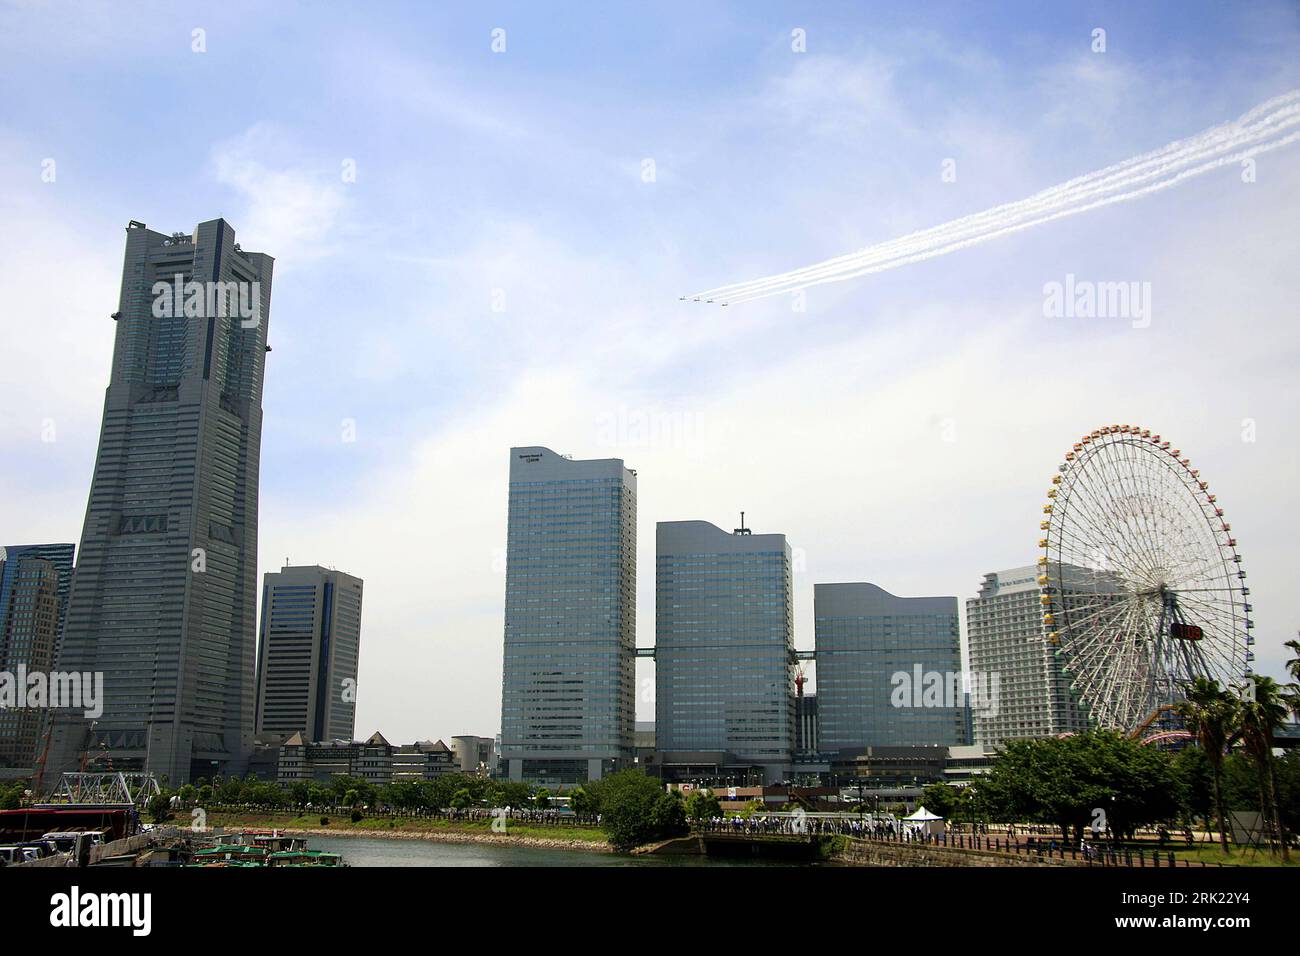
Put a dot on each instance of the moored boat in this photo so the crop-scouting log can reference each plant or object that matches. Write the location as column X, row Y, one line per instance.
column 262, row 848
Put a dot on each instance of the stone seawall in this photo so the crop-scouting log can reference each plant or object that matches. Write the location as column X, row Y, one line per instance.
column 446, row 836
column 883, row 853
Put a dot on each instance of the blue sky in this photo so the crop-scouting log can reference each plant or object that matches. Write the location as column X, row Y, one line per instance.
column 516, row 178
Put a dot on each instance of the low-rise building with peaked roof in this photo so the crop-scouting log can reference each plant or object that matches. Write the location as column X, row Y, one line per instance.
column 423, row 760
column 375, row 760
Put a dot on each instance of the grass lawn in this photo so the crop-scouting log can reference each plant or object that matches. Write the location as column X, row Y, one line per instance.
column 1211, row 853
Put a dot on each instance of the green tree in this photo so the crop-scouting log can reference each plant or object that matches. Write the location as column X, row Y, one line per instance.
column 1241, row 785
column 341, row 785
column 231, row 790
column 668, row 816
column 1210, row 714
column 703, row 805
column 404, row 795
column 263, row 794
column 1288, row 789
column 11, row 796
column 940, row 799
column 442, row 789
column 970, row 804
column 1066, row 781
column 510, row 793
column 1259, row 716
column 583, row 802
column 542, row 799
column 1291, row 692
column 1193, row 768
column 635, row 809
column 159, row 809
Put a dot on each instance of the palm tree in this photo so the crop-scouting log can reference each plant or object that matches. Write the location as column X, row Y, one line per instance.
column 1208, row 711
column 1291, row 692
column 1259, row 718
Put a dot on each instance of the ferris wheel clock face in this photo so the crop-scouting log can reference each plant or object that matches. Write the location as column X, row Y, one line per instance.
column 1141, row 584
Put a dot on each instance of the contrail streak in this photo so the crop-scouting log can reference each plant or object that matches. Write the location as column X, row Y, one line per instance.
column 1271, row 125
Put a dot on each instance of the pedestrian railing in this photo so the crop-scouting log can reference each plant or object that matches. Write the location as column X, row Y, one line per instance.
column 1034, row 849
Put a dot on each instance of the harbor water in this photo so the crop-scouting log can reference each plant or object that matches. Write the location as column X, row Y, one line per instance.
column 366, row 851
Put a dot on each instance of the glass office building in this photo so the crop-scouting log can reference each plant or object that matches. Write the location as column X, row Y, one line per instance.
column 60, row 555
column 724, row 648
column 29, row 627
column 308, row 653
column 34, row 580
column 888, row 669
column 568, row 679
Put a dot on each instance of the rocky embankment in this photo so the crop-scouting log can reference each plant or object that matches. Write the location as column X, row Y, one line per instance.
column 436, row 836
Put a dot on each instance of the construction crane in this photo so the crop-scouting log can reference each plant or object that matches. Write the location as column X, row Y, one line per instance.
column 38, row 780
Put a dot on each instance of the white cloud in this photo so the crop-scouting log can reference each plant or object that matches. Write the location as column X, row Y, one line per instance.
column 288, row 202
column 826, row 425
column 834, row 95
column 59, row 268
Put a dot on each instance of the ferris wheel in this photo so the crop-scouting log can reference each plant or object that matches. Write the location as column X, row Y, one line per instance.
column 1142, row 588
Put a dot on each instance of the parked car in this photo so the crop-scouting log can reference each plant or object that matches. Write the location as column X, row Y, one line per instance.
column 66, row 842
column 18, row 854
column 43, row 848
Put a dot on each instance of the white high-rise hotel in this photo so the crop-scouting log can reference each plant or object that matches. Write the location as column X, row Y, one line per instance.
column 1005, row 635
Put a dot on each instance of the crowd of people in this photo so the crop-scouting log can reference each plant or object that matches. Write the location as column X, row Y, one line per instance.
column 521, row 815
column 880, row 828
column 892, row 829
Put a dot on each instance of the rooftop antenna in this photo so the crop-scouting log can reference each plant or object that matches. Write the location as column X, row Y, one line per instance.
column 742, row 529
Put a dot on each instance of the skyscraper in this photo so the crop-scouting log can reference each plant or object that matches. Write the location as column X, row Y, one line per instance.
column 163, row 599
column 568, row 680
column 888, row 669
column 60, row 555
column 724, row 649
column 29, row 627
column 34, row 582
column 307, row 653
column 1004, row 628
